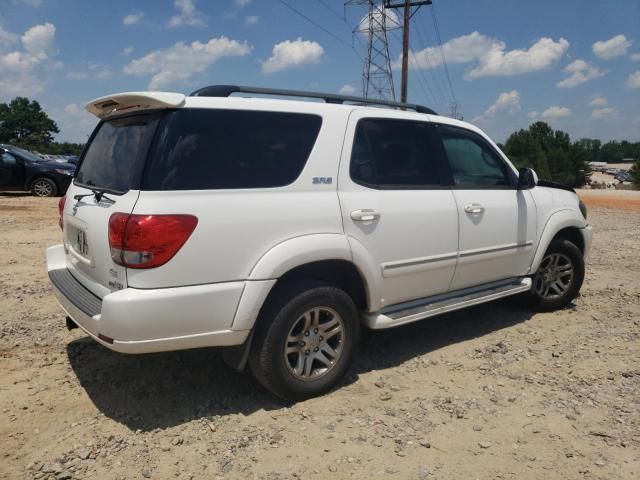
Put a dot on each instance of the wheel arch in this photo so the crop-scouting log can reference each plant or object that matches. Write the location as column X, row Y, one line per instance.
column 30, row 181
column 561, row 224
column 324, row 257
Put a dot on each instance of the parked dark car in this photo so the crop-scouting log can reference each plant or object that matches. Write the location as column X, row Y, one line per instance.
column 23, row 170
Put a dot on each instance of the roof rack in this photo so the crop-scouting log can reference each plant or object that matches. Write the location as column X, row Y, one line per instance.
column 227, row 90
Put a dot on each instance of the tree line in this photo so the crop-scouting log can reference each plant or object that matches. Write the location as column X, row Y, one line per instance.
column 25, row 124
column 551, row 153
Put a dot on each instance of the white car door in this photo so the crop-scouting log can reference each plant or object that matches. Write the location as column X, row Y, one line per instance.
column 396, row 214
column 497, row 221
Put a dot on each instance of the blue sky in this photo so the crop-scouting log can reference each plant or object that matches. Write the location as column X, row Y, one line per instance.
column 573, row 63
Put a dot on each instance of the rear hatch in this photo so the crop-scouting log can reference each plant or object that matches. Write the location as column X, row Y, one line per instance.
column 107, row 181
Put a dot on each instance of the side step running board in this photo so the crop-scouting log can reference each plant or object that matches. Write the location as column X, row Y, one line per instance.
column 408, row 312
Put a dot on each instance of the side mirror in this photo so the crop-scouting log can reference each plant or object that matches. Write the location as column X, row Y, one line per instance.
column 527, row 179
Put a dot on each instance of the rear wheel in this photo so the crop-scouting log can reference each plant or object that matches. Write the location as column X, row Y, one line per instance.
column 559, row 277
column 306, row 340
column 44, row 187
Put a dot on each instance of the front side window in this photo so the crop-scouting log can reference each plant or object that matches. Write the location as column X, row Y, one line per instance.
column 8, row 159
column 472, row 162
column 390, row 153
column 197, row 149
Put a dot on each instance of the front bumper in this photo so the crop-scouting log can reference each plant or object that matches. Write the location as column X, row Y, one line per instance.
column 587, row 236
column 151, row 320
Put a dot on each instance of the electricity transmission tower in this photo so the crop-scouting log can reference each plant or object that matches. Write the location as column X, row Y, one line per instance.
column 377, row 79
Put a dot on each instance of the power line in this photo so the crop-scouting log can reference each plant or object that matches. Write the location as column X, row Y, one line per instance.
column 444, row 59
column 312, row 22
column 335, row 12
column 431, row 66
column 422, row 80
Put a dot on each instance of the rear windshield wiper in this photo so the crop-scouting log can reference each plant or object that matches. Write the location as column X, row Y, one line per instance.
column 98, row 194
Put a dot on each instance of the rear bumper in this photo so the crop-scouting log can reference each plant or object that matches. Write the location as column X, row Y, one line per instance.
column 154, row 320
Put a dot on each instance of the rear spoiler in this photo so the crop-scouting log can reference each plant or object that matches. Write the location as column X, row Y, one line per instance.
column 117, row 103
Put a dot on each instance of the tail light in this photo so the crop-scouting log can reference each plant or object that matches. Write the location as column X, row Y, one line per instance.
column 61, row 210
column 148, row 241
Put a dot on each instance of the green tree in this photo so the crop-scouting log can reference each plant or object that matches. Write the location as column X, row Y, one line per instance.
column 635, row 173
column 524, row 151
column 550, row 153
column 592, row 147
column 23, row 122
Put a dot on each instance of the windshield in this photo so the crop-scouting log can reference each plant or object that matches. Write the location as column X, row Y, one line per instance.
column 27, row 154
column 116, row 154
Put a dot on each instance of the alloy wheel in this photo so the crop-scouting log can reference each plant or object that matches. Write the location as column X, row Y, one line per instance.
column 554, row 277
column 314, row 343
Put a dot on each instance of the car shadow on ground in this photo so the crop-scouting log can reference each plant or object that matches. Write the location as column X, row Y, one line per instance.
column 16, row 194
column 167, row 389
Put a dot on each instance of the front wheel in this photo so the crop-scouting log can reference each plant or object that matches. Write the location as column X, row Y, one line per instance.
column 306, row 340
column 559, row 277
column 44, row 187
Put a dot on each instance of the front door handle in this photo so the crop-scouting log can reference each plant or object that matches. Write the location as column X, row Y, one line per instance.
column 473, row 208
column 365, row 215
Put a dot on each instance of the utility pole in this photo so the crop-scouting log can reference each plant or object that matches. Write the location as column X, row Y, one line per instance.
column 407, row 14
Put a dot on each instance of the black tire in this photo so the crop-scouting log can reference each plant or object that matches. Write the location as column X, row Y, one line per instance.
column 568, row 254
column 44, row 187
column 285, row 310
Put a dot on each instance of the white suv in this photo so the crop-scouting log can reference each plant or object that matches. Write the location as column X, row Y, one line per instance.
column 278, row 228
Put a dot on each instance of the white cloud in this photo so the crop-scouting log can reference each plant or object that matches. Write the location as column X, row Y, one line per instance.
column 508, row 102
column 377, row 15
column 132, row 19
column 490, row 55
column 614, row 47
column 24, row 71
column 539, row 56
column 347, row 90
column 6, row 39
column 598, row 102
column 635, row 57
column 633, row 81
column 127, row 51
column 604, row 113
column 98, row 71
column 293, row 53
column 581, row 72
column 188, row 15
column 242, row 3
column 533, row 115
column 74, row 109
column 180, row 61
column 38, row 40
column 77, row 75
column 555, row 112
column 251, row 19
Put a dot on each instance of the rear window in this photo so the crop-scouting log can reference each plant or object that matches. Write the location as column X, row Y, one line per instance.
column 115, row 158
column 198, row 149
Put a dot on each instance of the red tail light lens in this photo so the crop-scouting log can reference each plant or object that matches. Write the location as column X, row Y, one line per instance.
column 147, row 241
column 61, row 210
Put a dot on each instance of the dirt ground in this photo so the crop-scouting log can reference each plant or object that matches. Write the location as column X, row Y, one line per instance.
column 495, row 391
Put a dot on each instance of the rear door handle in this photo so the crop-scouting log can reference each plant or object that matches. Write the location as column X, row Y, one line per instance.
column 473, row 208
column 365, row 215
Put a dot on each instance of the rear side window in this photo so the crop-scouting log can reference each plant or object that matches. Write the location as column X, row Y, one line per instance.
column 391, row 154
column 115, row 157
column 473, row 164
column 201, row 149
